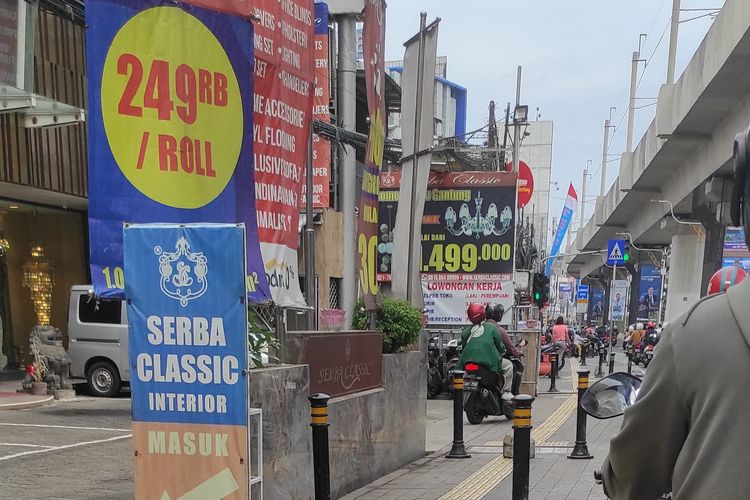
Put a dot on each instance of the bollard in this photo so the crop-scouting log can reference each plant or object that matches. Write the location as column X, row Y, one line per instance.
column 458, row 450
column 521, row 445
column 581, row 449
column 611, row 361
column 630, row 358
column 601, row 360
column 553, row 373
column 321, row 465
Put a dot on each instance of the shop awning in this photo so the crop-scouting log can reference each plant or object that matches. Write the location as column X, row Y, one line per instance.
column 38, row 111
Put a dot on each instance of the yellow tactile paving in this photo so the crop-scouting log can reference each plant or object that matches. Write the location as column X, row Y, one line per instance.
column 485, row 479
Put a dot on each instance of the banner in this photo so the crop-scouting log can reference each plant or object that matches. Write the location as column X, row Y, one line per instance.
column 417, row 154
column 570, row 205
column 735, row 252
column 322, row 97
column 373, row 40
column 649, row 293
column 284, row 74
column 597, row 304
column 618, row 297
column 188, row 351
column 564, row 291
column 168, row 131
column 582, row 299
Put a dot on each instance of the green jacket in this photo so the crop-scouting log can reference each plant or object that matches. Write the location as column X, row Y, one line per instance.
column 482, row 344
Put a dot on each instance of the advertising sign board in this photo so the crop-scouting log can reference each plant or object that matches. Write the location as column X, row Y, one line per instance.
column 187, row 314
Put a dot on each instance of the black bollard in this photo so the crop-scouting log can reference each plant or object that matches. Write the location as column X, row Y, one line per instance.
column 630, row 358
column 601, row 361
column 458, row 450
column 521, row 445
column 553, row 373
column 611, row 361
column 321, row 463
column 584, row 348
column 581, row 449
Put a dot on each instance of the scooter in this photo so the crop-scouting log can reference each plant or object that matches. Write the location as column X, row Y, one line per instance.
column 435, row 381
column 483, row 390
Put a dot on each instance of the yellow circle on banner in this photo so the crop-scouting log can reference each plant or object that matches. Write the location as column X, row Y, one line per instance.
column 172, row 108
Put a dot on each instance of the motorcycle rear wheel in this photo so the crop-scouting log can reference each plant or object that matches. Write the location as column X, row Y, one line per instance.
column 473, row 414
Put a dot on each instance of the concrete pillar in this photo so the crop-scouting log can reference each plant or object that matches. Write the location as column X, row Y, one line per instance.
column 685, row 272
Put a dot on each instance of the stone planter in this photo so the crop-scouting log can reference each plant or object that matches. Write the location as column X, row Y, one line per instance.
column 39, row 388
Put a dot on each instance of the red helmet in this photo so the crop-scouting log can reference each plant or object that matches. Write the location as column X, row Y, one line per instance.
column 724, row 278
column 650, row 325
column 476, row 313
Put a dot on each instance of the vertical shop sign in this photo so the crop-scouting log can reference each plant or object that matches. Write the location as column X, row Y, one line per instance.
column 321, row 146
column 170, row 89
column 187, row 318
column 284, row 74
column 367, row 224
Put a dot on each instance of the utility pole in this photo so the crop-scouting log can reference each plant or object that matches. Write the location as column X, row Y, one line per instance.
column 583, row 199
column 505, row 136
column 674, row 30
column 347, row 119
column 605, row 150
column 517, row 124
column 631, row 108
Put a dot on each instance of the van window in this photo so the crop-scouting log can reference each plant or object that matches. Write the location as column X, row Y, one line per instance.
column 92, row 310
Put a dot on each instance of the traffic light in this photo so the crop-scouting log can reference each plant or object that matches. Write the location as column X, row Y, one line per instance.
column 626, row 252
column 540, row 290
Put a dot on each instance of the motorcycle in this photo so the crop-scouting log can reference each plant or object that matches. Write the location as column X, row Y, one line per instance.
column 546, row 352
column 435, row 380
column 483, row 389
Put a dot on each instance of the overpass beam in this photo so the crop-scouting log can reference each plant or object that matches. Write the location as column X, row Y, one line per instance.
column 685, row 272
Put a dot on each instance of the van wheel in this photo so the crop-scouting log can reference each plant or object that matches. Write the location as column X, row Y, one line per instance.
column 103, row 380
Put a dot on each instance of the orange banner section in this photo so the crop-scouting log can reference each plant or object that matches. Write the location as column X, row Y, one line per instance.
column 190, row 461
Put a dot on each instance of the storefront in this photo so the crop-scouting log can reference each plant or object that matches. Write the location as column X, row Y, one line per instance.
column 42, row 254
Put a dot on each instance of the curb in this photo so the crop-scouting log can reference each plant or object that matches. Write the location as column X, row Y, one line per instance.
column 24, row 405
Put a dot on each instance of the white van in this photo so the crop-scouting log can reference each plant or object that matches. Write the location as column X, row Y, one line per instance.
column 98, row 347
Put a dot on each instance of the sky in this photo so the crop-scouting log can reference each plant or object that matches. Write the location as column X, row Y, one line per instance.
column 576, row 59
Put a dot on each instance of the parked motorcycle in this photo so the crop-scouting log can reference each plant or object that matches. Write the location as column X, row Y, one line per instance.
column 435, row 380
column 483, row 389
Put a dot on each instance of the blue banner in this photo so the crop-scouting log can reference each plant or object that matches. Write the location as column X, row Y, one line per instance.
column 649, row 293
column 170, row 127
column 188, row 323
column 597, row 303
column 562, row 227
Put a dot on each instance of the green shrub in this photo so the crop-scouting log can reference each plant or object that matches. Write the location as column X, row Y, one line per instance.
column 399, row 321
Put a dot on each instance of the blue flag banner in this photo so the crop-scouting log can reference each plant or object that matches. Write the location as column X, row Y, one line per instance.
column 170, row 127
column 562, row 227
column 188, row 353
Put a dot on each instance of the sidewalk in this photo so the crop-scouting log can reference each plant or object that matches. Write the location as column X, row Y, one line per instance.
column 10, row 399
column 487, row 474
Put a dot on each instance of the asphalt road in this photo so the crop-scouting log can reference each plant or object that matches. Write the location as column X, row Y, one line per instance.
column 77, row 449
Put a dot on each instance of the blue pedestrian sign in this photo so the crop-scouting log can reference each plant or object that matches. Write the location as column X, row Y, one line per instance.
column 616, row 252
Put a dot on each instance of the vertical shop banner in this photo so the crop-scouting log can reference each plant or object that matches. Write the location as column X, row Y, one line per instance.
column 373, row 40
column 567, row 214
column 618, row 299
column 187, row 316
column 388, row 196
column 564, row 291
column 468, row 243
column 649, row 292
column 597, row 303
column 284, row 74
column 170, row 89
column 322, row 98
column 735, row 252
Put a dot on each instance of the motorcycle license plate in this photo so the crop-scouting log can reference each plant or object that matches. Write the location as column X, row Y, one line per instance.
column 471, row 385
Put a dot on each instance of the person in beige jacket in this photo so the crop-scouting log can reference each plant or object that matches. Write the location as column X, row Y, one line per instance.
column 688, row 432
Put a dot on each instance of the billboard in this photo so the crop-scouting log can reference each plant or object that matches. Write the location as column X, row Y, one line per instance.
column 649, row 292
column 283, row 104
column 582, row 299
column 188, row 352
column 597, row 304
column 735, row 252
column 618, row 298
column 169, row 138
column 468, row 241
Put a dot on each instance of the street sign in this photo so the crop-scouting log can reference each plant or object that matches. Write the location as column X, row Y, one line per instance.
column 582, row 299
column 616, row 252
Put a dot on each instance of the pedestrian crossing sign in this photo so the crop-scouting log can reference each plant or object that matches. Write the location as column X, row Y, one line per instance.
column 615, row 254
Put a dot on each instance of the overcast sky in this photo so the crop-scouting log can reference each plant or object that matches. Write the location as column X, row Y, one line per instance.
column 576, row 64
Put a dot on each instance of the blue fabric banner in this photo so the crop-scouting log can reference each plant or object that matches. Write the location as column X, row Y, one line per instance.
column 562, row 227
column 170, row 127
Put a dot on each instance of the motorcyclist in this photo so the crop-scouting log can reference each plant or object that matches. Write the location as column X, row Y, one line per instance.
column 494, row 314
column 481, row 342
column 651, row 337
column 697, row 441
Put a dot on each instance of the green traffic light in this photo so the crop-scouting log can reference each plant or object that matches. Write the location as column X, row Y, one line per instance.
column 536, row 295
column 626, row 257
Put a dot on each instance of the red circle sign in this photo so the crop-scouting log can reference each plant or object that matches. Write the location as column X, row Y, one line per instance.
column 525, row 184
